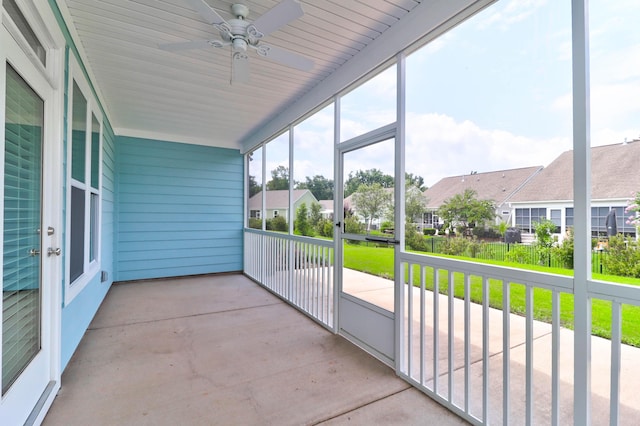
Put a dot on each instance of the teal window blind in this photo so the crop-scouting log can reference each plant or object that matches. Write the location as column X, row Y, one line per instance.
column 24, row 120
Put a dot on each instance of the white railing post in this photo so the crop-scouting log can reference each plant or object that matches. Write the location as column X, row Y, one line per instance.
column 582, row 213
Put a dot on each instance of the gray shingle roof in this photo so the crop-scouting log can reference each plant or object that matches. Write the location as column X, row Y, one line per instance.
column 496, row 186
column 278, row 199
column 615, row 174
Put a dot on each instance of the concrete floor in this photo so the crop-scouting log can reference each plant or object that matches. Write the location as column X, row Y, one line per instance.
column 222, row 350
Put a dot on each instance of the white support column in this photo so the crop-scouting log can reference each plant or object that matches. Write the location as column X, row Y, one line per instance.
column 291, row 244
column 399, row 194
column 338, row 213
column 582, row 213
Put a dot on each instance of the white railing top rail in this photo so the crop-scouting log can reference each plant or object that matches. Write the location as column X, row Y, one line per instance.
column 299, row 238
column 556, row 282
column 623, row 293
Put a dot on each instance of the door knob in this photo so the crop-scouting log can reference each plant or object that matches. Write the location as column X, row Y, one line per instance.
column 51, row 251
column 34, row 252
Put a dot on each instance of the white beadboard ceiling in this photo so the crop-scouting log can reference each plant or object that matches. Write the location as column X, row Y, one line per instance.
column 186, row 96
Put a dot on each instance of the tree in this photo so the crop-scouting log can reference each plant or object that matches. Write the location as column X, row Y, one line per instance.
column 634, row 208
column 366, row 177
column 254, row 187
column 371, row 202
column 320, row 187
column 463, row 210
column 279, row 179
column 315, row 215
column 301, row 225
column 414, row 204
column 415, row 180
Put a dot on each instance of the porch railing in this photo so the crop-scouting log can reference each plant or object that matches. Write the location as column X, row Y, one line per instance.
column 493, row 367
column 298, row 269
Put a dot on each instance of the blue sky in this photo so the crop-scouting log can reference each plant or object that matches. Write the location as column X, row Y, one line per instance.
column 493, row 93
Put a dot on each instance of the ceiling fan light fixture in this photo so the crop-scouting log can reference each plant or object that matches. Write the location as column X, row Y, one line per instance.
column 239, row 45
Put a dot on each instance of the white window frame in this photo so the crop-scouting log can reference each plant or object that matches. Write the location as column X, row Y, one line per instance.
column 91, row 268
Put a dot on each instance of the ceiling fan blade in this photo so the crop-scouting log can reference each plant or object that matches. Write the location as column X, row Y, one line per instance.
column 278, row 16
column 286, row 57
column 197, row 44
column 239, row 68
column 210, row 15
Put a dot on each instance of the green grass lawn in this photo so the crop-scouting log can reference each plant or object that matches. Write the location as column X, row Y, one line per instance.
column 379, row 261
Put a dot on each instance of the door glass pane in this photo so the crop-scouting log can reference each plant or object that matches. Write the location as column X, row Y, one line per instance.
column 24, row 119
column 369, row 214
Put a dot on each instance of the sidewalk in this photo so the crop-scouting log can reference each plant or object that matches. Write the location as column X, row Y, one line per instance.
column 379, row 291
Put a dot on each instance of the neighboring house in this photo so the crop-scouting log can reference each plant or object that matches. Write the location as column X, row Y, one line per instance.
column 327, row 209
column 498, row 186
column 277, row 203
column 614, row 180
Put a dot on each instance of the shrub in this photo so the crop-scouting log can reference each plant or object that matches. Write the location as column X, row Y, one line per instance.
column 353, row 225
column 544, row 230
column 623, row 257
column 414, row 240
column 519, row 253
column 277, row 224
column 564, row 252
column 455, row 246
column 386, row 225
column 475, row 247
column 482, row 232
column 255, row 223
column 325, row 228
column 429, row 231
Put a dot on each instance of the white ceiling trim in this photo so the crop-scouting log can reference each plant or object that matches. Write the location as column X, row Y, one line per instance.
column 162, row 136
column 428, row 18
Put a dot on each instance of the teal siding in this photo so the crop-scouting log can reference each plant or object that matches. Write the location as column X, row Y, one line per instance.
column 179, row 209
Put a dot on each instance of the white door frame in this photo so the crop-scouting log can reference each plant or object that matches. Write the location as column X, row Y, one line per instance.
column 48, row 82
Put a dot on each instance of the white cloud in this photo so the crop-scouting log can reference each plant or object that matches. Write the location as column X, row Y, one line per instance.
column 513, row 13
column 438, row 146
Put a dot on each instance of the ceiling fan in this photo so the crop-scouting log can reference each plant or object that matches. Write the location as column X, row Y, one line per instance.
column 241, row 35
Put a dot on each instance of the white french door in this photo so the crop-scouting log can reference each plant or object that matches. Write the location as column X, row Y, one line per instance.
column 30, row 274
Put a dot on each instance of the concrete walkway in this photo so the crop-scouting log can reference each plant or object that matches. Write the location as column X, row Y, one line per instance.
column 220, row 350
column 379, row 291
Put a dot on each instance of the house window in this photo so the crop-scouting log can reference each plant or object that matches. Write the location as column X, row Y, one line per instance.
column 84, row 186
column 598, row 220
column 556, row 218
column 523, row 219
column 568, row 217
column 275, row 213
column 526, row 218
